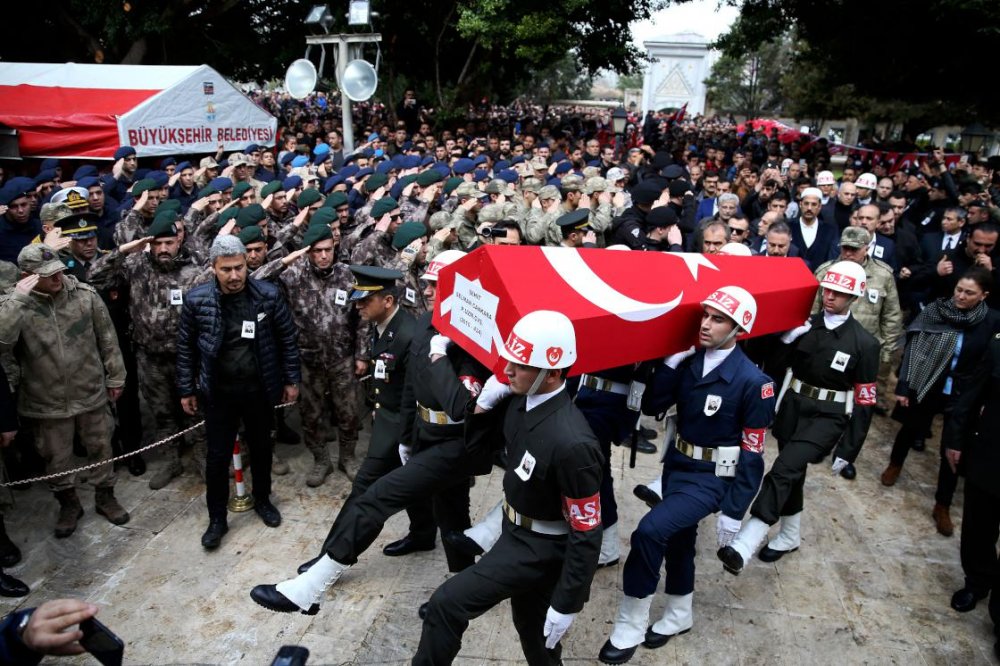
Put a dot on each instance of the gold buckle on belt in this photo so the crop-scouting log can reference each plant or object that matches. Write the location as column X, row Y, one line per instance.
column 592, row 382
column 430, row 416
column 687, row 448
column 814, row 392
column 512, row 516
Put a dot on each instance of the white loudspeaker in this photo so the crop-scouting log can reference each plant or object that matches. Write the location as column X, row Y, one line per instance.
column 359, row 80
column 300, row 79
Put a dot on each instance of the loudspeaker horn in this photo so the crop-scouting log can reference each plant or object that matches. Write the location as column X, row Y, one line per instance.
column 359, row 80
column 300, row 79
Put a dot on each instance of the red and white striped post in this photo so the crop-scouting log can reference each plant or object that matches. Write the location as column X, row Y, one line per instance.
column 242, row 501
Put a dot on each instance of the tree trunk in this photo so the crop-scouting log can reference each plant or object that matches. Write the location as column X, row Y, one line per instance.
column 136, row 53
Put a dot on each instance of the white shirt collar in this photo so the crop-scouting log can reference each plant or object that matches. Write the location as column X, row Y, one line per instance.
column 832, row 321
column 539, row 398
column 385, row 324
column 714, row 358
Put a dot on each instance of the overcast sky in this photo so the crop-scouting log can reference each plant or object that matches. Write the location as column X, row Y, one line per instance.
column 702, row 16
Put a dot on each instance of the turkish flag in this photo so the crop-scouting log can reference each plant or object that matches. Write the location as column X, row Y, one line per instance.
column 626, row 307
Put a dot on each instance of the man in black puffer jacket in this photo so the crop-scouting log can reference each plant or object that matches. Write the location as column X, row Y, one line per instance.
column 237, row 337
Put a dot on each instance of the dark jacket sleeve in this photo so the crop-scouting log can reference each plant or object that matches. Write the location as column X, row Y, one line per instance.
column 456, row 381
column 861, row 417
column 408, row 403
column 187, row 349
column 8, row 408
column 12, row 650
column 964, row 409
column 758, row 413
column 662, row 390
column 288, row 339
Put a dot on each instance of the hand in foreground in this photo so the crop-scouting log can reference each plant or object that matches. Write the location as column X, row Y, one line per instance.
column 47, row 633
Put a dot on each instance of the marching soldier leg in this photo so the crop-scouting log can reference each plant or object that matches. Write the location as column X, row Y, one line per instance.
column 312, row 407
column 787, row 473
column 528, row 611
column 451, row 513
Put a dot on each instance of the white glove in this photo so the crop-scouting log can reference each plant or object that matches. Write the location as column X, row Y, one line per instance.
column 726, row 529
column 404, row 453
column 439, row 345
column 556, row 625
column 838, row 464
column 788, row 337
column 492, row 393
column 675, row 360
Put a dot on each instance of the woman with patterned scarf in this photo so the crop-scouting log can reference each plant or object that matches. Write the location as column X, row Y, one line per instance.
column 943, row 346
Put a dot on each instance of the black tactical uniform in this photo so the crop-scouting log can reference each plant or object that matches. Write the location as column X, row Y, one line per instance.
column 547, row 553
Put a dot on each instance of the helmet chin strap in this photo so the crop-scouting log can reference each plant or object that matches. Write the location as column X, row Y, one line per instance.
column 725, row 341
column 539, row 378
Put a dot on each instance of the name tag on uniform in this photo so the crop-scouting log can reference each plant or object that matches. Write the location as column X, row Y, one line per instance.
column 840, row 360
column 249, row 329
column 712, row 404
column 525, row 467
column 379, row 369
column 879, row 251
column 176, row 297
column 341, row 297
column 873, row 295
column 411, row 295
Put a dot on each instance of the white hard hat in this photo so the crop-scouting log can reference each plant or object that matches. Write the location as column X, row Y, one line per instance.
column 736, row 250
column 847, row 277
column 736, row 303
column 614, row 175
column 542, row 339
column 440, row 261
column 825, row 178
column 867, row 181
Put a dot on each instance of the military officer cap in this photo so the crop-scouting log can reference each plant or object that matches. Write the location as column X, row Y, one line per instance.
column 440, row 220
column 239, row 189
column 376, row 181
column 469, row 191
column 463, row 166
column 549, row 192
column 331, row 183
column 40, row 259
column 76, row 225
column 856, row 237
column 646, row 192
column 577, row 220
column 316, row 233
column 270, row 188
column 664, row 216
column 383, row 206
column 299, row 161
column 251, row 235
column 74, row 197
column 349, row 171
column 286, row 159
column 164, row 225
column 143, row 185
column 672, row 171
column 335, row 200
column 590, row 171
column 480, row 159
column 370, row 280
column 323, row 217
column 221, row 184
column 407, row 233
column 531, row 185
column 168, row 161
column 429, row 177
column 571, row 184
column 308, row 197
column 250, row 215
column 124, row 151
column 451, row 184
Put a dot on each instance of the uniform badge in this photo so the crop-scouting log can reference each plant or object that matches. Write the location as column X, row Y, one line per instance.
column 873, row 295
column 379, row 369
column 712, row 404
column 525, row 467
column 176, row 297
column 767, row 391
column 879, row 251
column 411, row 296
column 635, row 232
column 249, row 329
column 840, row 361
column 341, row 297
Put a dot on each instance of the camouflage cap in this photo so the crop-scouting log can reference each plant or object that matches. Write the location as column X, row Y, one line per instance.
column 491, row 213
column 855, row 237
column 550, row 192
column 238, row 159
column 469, row 191
column 50, row 212
column 531, row 185
column 40, row 259
column 571, row 184
column 595, row 184
column 440, row 220
column 590, row 172
column 498, row 186
column 539, row 164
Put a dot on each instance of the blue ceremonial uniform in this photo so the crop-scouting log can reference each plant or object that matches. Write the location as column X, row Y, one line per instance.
column 731, row 406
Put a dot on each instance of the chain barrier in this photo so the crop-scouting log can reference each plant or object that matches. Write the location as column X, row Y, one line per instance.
column 148, row 447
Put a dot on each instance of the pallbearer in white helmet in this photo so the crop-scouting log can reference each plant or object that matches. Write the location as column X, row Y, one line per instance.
column 724, row 406
column 833, row 362
column 545, row 559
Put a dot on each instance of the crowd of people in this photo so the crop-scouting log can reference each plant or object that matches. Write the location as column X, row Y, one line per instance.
column 223, row 286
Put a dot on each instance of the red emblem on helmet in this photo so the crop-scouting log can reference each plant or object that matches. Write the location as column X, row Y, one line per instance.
column 747, row 316
column 553, row 354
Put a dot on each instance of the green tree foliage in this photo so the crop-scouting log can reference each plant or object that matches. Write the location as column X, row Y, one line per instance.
column 750, row 84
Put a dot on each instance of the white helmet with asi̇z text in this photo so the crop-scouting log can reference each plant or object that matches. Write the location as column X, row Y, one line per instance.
column 736, row 303
column 542, row 339
column 867, row 181
column 847, row 277
column 440, row 261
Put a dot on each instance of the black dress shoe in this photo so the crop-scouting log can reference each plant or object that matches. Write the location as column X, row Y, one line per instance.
column 768, row 554
column 645, row 446
column 306, row 566
column 732, row 561
column 918, row 445
column 136, row 465
column 646, row 494
column 966, row 599
column 849, row 472
column 647, row 433
column 611, row 655
column 462, row 543
column 12, row 587
column 655, row 640
column 267, row 512
column 422, row 611
column 217, row 528
column 405, row 546
column 269, row 597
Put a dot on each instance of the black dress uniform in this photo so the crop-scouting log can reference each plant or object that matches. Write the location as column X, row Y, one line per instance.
column 972, row 426
column 547, row 553
column 844, row 360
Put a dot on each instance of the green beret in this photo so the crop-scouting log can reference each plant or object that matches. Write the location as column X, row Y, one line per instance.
column 252, row 234
column 383, row 206
column 429, row 177
column 270, row 188
column 375, row 181
column 169, row 204
column 250, row 215
column 407, row 233
column 225, row 216
column 143, row 185
column 335, row 200
column 324, row 216
column 316, row 233
column 451, row 184
column 309, row 197
column 164, row 225
column 207, row 191
column 239, row 189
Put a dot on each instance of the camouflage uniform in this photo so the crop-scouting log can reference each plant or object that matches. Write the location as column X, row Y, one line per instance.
column 132, row 226
column 540, row 228
column 465, row 224
column 414, row 208
column 411, row 296
column 156, row 295
column 331, row 337
column 375, row 250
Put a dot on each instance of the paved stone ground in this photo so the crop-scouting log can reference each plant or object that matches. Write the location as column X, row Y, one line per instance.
column 870, row 585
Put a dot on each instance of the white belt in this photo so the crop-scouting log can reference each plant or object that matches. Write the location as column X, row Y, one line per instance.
column 550, row 527
column 816, row 393
column 437, row 418
column 707, row 454
column 601, row 384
